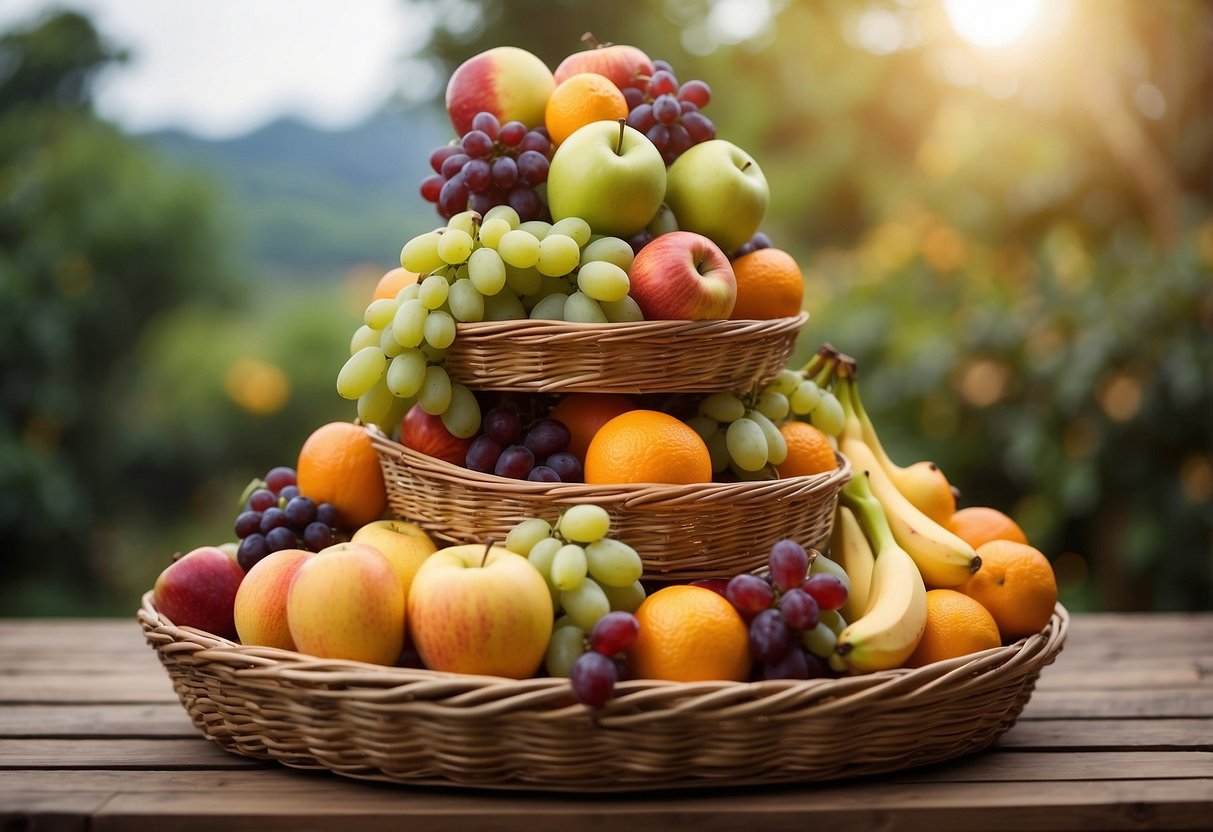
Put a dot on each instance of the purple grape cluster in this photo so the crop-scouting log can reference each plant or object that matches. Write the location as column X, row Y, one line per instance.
column 758, row 241
column 781, row 605
column 540, row 455
column 669, row 113
column 276, row 516
column 493, row 164
column 595, row 672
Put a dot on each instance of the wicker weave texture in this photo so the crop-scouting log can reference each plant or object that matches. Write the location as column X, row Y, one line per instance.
column 682, row 532
column 641, row 357
column 423, row 727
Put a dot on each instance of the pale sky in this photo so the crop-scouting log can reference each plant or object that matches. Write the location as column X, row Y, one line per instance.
column 219, row 68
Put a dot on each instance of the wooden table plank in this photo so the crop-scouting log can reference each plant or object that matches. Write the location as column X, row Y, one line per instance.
column 1195, row 701
column 82, row 721
column 145, row 685
column 119, row 754
column 1109, row 735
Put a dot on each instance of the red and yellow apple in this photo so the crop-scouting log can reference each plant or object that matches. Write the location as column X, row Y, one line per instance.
column 426, row 434
column 506, row 81
column 480, row 609
column 406, row 546
column 260, row 608
column 199, row 590
column 683, row 276
column 346, row 603
column 622, row 64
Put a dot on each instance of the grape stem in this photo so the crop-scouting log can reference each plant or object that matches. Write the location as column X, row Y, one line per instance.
column 622, row 124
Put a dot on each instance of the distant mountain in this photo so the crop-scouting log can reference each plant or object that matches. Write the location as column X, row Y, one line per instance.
column 309, row 202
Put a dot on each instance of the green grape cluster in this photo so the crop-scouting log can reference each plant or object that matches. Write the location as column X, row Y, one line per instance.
column 806, row 398
column 742, row 434
column 588, row 574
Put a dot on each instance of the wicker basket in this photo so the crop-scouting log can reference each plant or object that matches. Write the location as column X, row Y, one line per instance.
column 682, row 532
column 642, row 357
column 428, row 728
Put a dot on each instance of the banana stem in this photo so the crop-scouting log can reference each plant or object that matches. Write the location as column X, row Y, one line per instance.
column 857, row 496
column 826, row 373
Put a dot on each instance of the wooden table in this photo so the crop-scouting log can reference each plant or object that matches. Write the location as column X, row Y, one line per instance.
column 1118, row 735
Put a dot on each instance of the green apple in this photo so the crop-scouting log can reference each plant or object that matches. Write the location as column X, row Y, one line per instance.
column 609, row 175
column 716, row 189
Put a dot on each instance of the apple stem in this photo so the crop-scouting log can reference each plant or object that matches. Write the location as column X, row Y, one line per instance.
column 622, row 124
column 488, row 545
column 589, row 40
column 747, row 164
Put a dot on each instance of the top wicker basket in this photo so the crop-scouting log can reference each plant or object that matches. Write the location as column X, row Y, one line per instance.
column 639, row 357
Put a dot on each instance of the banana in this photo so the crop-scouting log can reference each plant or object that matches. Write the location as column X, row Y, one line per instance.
column 851, row 550
column 887, row 633
column 943, row 558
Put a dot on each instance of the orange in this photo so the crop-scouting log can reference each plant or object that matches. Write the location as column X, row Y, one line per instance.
column 689, row 634
column 392, row 282
column 956, row 626
column 647, row 446
column 769, row 285
column 338, row 465
column 809, row 451
column 978, row 525
column 584, row 413
column 580, row 100
column 1016, row 584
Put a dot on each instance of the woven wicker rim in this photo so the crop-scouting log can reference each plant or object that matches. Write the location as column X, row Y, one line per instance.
column 558, row 332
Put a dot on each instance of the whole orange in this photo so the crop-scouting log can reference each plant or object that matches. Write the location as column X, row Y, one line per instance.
column 1016, row 584
column 391, row 283
column 809, row 451
column 978, row 525
column 647, row 446
column 689, row 634
column 338, row 465
column 584, row 413
column 957, row 625
column 580, row 100
column 769, row 285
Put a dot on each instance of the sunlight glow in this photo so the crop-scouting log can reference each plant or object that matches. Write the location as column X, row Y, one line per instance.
column 992, row 23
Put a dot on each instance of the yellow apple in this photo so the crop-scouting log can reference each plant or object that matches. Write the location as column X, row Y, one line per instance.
column 405, row 544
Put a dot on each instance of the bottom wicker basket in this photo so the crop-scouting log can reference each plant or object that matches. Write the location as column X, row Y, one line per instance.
column 427, row 728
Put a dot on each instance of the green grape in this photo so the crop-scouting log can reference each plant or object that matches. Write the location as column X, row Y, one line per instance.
column 551, row 308
column 585, row 604
column 777, row 446
column 526, row 534
column 609, row 250
column 804, row 398
column 747, row 444
column 786, row 382
column 585, row 523
column 433, row 291
column 503, row 306
column 360, row 373
column 486, row 271
column 723, row 407
column 388, row 343
column 541, row 556
column 409, row 324
column 558, row 255
column 519, row 248
column 565, row 647
column 583, row 309
column 705, row 426
column 406, row 373
column 503, row 212
column 462, row 415
column 420, row 254
column 603, row 281
column 568, row 567
column 522, row 281
column 718, row 451
column 822, row 564
column 622, row 311
column 435, row 393
column 491, row 231
column 380, row 313
column 536, row 228
column 440, row 329
column 432, row 353
column 613, row 563
column 628, row 598
column 410, row 292
column 773, row 405
column 455, row 246
column 834, row 620
column 574, row 227
column 465, row 302
column 375, row 405
column 820, row 641
column 364, row 336
column 828, row 416
column 465, row 221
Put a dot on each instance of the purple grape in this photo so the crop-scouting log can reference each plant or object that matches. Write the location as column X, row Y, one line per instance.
column 300, row 511
column 687, row 107
column 749, row 594
column 542, row 473
column 634, row 96
column 488, row 124
column 761, row 240
column 502, row 423
column 281, row 538
column 793, row 665
column 454, row 197
column 770, row 637
column 251, row 550
column 661, row 82
column 543, row 132
column 481, row 203
column 453, row 164
column 515, row 462
column 817, row 667
column 697, row 92
column 547, row 437
column 327, row 513
column 537, row 142
column 614, row 633
column 523, row 199
column 642, row 118
column 593, row 677
column 800, row 609
column 679, row 143
column 248, row 522
column 789, row 564
column 441, row 155
column 512, row 133
column 567, row 466
column 639, row 240
column 746, row 248
column 287, row 494
column 827, row 590
column 317, row 536
column 662, row 66
column 505, row 173
column 261, row 499
column 699, row 127
column 431, row 186
column 482, row 454
column 478, row 175
column 272, row 518
column 666, row 110
column 533, row 167
column 477, row 144
column 279, row 478
column 659, row 135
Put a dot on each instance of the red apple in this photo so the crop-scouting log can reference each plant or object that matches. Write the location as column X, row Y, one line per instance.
column 506, row 81
column 622, row 64
column 199, row 590
column 260, row 610
column 426, row 434
column 683, row 276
